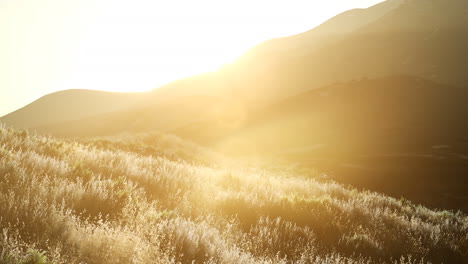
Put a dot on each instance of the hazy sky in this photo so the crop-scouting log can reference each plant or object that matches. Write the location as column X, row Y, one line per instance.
column 137, row 45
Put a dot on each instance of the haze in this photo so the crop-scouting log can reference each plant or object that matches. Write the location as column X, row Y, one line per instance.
column 121, row 46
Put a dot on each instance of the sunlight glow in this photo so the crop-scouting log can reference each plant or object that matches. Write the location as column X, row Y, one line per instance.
column 111, row 45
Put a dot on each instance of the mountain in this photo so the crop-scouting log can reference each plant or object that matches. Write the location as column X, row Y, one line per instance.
column 328, row 32
column 422, row 38
column 235, row 81
column 69, row 105
column 427, row 39
column 423, row 16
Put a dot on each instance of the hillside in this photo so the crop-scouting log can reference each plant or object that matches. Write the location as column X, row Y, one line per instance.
column 70, row 105
column 108, row 201
column 388, row 134
column 162, row 116
column 390, row 114
column 327, row 33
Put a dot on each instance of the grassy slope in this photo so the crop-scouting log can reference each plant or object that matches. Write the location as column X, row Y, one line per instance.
column 123, row 201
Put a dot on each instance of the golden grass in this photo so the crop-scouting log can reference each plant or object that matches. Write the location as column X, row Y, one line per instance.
column 149, row 199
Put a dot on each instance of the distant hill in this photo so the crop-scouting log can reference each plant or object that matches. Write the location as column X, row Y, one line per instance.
column 69, row 105
column 165, row 115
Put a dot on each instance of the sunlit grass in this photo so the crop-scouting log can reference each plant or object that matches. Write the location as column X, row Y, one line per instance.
column 148, row 199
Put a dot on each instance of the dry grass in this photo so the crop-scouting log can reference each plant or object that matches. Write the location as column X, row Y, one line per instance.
column 153, row 201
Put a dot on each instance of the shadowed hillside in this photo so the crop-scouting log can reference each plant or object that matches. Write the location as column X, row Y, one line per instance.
column 108, row 201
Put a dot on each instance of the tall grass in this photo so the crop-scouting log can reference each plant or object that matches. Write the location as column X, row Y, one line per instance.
column 152, row 201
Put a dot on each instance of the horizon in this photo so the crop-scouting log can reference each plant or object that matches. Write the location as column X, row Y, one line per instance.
column 89, row 46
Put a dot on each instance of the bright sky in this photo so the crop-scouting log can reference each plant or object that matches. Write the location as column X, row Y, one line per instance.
column 137, row 45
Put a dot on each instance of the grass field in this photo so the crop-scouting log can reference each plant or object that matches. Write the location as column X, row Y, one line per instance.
column 157, row 199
